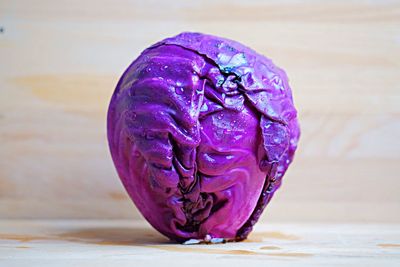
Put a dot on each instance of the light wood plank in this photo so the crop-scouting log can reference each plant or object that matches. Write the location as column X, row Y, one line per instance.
column 60, row 61
column 123, row 243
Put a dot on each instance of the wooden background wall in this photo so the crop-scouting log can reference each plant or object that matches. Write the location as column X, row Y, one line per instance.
column 60, row 61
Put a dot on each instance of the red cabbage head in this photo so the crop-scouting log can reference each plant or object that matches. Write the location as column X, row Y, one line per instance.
column 201, row 130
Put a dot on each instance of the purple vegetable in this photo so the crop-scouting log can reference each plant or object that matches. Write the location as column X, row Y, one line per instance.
column 201, row 130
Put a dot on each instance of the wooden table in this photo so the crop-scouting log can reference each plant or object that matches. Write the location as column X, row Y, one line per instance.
column 133, row 243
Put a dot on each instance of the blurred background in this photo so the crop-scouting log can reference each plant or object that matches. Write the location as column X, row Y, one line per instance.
column 60, row 61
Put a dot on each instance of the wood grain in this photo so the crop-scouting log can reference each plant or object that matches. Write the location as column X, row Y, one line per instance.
column 60, row 61
column 122, row 242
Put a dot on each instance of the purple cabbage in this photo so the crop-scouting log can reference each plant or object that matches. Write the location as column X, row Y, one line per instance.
column 201, row 130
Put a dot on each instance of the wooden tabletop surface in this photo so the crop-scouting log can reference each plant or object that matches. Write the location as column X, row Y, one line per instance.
column 133, row 243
